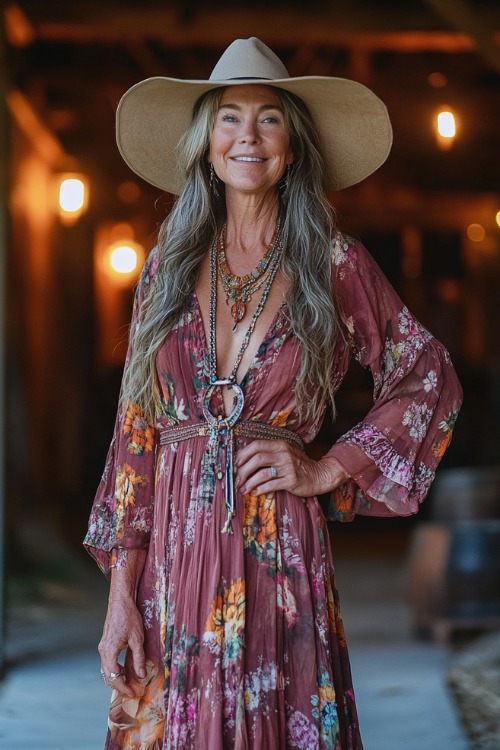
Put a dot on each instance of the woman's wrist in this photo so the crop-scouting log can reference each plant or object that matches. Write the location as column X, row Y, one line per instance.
column 332, row 473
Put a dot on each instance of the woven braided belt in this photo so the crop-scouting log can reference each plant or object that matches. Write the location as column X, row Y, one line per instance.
column 255, row 430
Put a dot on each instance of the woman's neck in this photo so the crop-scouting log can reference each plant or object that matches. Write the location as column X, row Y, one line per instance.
column 250, row 225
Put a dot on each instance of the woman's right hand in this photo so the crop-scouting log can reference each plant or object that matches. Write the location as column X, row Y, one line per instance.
column 123, row 628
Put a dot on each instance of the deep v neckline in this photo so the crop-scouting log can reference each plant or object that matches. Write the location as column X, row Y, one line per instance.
column 256, row 357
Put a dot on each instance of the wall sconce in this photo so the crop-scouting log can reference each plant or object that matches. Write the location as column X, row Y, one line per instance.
column 446, row 128
column 72, row 192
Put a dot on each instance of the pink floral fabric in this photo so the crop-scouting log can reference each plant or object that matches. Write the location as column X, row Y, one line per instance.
column 393, row 453
column 244, row 638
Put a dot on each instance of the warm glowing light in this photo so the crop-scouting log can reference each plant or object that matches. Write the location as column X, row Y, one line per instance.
column 19, row 30
column 476, row 233
column 118, row 259
column 72, row 195
column 437, row 80
column 446, row 124
column 497, row 218
column 123, row 259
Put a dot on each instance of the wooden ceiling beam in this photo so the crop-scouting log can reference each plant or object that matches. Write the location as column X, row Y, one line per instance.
column 217, row 27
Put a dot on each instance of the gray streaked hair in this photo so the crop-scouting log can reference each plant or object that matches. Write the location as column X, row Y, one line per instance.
column 185, row 235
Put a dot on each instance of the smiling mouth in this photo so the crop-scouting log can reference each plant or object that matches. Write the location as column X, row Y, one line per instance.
column 248, row 159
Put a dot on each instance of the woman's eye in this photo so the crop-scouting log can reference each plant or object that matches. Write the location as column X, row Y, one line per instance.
column 228, row 118
column 271, row 119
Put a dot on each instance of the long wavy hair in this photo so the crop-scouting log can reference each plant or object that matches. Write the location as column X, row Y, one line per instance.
column 185, row 235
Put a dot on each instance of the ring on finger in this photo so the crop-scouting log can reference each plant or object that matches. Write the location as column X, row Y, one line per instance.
column 105, row 679
column 274, row 472
column 109, row 679
column 114, row 675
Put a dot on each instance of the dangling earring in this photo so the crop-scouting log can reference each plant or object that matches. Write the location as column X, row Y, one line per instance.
column 213, row 181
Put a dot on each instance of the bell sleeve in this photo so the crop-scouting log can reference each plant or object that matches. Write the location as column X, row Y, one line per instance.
column 122, row 512
column 391, row 456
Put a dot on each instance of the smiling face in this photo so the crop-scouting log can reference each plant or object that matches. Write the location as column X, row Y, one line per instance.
column 250, row 142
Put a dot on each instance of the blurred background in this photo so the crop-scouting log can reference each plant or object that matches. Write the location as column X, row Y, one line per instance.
column 76, row 225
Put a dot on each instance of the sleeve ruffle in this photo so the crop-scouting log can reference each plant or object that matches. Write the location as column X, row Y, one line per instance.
column 393, row 453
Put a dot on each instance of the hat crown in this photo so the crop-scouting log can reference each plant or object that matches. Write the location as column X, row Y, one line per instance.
column 248, row 59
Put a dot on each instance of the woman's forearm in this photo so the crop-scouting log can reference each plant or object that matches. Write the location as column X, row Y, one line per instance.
column 124, row 581
column 123, row 627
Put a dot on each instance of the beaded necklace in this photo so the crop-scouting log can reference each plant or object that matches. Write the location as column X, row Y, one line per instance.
column 240, row 289
column 222, row 427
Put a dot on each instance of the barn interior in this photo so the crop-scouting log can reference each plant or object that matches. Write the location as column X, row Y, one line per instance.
column 430, row 217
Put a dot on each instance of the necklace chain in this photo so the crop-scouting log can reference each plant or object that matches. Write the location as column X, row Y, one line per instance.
column 278, row 247
column 240, row 289
column 221, row 428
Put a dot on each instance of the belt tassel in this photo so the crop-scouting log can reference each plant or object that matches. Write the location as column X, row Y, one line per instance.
column 230, row 504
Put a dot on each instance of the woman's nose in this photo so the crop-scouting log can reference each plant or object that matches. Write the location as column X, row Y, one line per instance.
column 249, row 133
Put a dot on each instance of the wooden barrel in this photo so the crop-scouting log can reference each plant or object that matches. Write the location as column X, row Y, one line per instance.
column 465, row 493
column 472, row 573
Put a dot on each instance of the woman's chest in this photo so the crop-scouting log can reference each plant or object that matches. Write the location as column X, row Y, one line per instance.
column 237, row 321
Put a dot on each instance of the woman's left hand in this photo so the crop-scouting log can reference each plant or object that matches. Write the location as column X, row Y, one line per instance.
column 270, row 465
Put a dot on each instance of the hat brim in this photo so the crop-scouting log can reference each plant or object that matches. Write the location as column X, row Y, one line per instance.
column 351, row 121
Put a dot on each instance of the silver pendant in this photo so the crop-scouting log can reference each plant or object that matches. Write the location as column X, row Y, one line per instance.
column 223, row 426
column 238, row 404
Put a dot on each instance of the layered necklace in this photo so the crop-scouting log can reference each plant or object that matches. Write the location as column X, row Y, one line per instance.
column 222, row 427
column 240, row 289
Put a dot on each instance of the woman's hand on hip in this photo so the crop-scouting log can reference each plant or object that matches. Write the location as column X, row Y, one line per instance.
column 270, row 465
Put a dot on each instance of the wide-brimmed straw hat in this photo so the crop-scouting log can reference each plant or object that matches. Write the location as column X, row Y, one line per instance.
column 351, row 121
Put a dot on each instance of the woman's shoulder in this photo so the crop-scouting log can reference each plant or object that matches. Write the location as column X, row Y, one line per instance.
column 347, row 251
column 354, row 268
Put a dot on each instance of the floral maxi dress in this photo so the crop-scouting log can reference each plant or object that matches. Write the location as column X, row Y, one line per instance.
column 244, row 640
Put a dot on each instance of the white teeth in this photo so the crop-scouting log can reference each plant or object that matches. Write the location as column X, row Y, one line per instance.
column 247, row 158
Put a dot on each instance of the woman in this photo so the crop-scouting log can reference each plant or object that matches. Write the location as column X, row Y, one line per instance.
column 246, row 316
